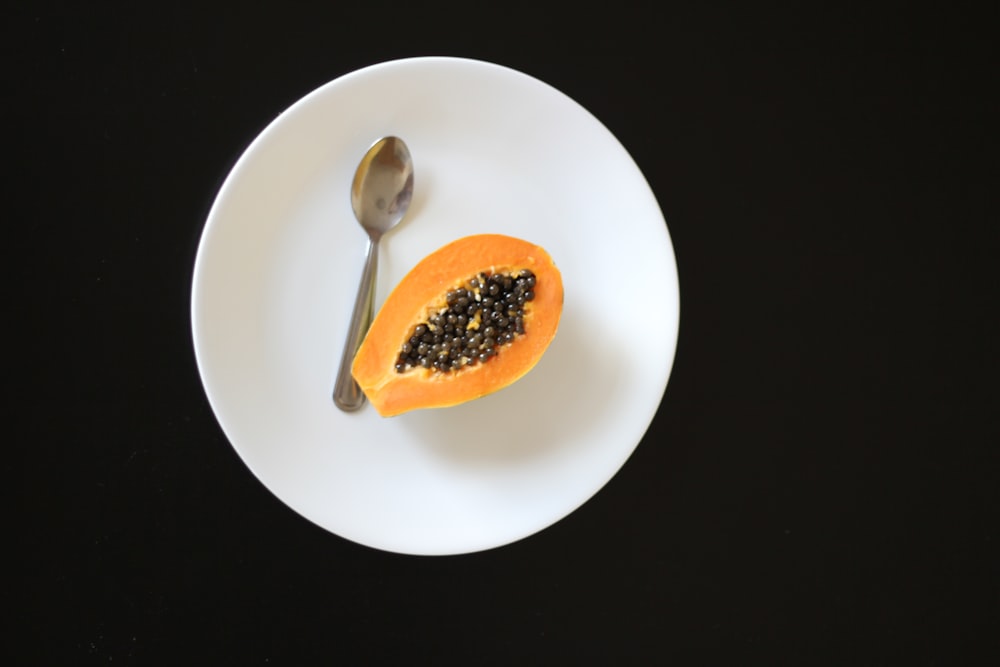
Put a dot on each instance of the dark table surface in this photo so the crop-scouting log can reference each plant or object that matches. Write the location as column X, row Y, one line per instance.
column 819, row 485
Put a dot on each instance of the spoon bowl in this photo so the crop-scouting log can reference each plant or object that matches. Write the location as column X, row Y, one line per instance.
column 380, row 196
column 383, row 185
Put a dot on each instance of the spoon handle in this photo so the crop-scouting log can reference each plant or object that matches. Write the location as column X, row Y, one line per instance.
column 347, row 395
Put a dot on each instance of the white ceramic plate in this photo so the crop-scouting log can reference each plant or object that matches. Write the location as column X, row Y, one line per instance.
column 278, row 266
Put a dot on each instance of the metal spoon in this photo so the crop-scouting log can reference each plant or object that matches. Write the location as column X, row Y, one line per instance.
column 380, row 195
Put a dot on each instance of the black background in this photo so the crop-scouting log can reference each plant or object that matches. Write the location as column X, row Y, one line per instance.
column 819, row 485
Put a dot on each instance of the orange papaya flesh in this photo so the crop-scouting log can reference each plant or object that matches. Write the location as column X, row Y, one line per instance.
column 452, row 296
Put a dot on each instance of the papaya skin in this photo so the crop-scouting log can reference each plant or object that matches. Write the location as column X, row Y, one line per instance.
column 423, row 290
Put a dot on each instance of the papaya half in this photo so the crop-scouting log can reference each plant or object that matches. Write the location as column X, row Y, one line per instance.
column 469, row 319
